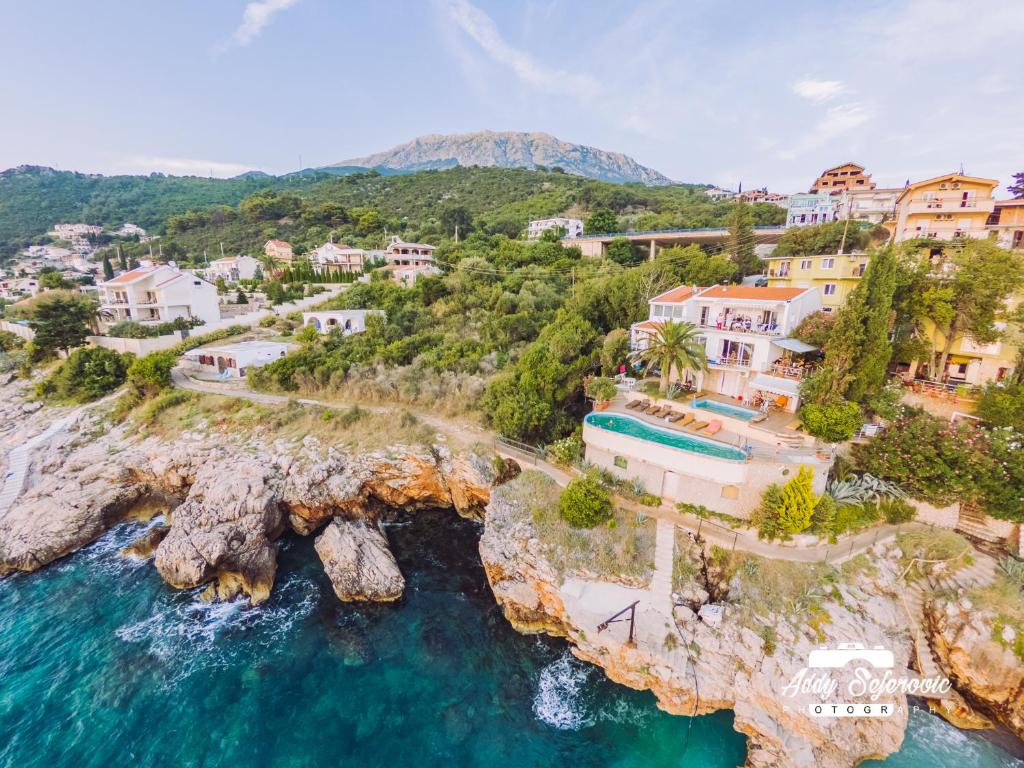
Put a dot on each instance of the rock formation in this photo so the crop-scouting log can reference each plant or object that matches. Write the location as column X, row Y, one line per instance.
column 228, row 501
column 981, row 664
column 693, row 668
column 358, row 562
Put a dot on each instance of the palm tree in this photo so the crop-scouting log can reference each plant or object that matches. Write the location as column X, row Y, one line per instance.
column 672, row 345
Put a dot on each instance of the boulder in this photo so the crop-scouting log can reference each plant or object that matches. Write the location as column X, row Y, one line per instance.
column 358, row 562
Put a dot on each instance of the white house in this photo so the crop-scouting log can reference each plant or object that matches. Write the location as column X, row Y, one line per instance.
column 233, row 268
column 809, row 208
column 131, row 230
column 746, row 331
column 339, row 256
column 233, row 360
column 159, row 294
column 870, row 205
column 717, row 193
column 572, row 227
column 348, row 321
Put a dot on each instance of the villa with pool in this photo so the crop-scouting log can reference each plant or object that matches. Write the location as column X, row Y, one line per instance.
column 734, row 432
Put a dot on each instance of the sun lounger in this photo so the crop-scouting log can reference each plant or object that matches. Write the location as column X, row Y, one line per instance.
column 660, row 411
column 687, row 418
column 759, row 418
column 634, row 404
column 652, row 409
column 698, row 425
column 675, row 416
column 714, row 426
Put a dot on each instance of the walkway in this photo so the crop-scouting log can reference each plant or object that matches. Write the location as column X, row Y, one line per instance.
column 664, row 557
column 711, row 532
column 20, row 459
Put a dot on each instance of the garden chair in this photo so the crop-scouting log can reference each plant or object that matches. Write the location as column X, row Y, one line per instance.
column 713, row 427
column 698, row 425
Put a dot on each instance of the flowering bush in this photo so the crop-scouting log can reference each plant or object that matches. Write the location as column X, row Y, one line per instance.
column 940, row 463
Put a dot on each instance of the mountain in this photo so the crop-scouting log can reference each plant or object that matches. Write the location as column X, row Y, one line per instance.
column 509, row 149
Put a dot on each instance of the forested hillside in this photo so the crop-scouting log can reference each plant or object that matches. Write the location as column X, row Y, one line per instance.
column 33, row 199
column 362, row 208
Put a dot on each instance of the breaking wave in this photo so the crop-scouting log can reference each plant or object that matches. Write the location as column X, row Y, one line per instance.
column 561, row 699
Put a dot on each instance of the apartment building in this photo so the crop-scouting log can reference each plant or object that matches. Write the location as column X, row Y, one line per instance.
column 945, row 208
column 845, row 177
column 537, row 227
column 340, row 257
column 401, row 254
column 833, row 276
column 158, row 294
column 809, row 209
column 1006, row 224
column 746, row 332
column 873, row 205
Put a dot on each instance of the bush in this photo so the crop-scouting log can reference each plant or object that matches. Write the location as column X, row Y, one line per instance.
column 585, row 503
column 150, row 375
column 9, row 342
column 568, row 451
column 89, row 373
column 1002, row 406
column 600, row 389
column 833, row 422
column 766, row 517
column 896, row 511
column 823, row 521
column 797, row 502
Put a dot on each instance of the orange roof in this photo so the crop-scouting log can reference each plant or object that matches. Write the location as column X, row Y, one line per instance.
column 277, row 244
column 681, row 293
column 1010, row 203
column 751, row 293
column 648, row 325
column 128, row 277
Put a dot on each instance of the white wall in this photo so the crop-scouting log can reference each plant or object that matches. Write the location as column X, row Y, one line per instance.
column 138, row 347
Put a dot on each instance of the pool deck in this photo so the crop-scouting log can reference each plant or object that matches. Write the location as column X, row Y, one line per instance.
column 769, row 447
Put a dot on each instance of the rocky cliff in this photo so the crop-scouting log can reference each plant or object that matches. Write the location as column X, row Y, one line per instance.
column 694, row 668
column 977, row 654
column 228, row 502
column 509, row 149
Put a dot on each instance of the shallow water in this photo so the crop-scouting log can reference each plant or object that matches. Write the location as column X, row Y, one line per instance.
column 101, row 664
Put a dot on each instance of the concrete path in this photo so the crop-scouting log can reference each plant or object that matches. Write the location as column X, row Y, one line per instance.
column 664, row 557
column 20, row 458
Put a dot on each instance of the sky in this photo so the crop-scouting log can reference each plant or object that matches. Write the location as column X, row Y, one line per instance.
column 704, row 91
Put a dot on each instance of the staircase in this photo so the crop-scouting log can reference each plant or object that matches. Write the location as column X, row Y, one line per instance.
column 973, row 524
column 664, row 560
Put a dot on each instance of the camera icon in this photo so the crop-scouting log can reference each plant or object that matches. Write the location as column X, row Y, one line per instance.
column 844, row 653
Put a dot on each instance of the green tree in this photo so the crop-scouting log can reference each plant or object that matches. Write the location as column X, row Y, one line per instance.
column 620, row 250
column 1002, row 406
column 108, row 269
column 600, row 388
column 122, row 260
column 797, row 501
column 585, row 503
column 672, row 345
column 456, row 216
column 86, row 375
column 740, row 243
column 53, row 281
column 601, row 222
column 1017, row 187
column 240, row 297
column 614, row 351
column 828, row 238
column 150, row 375
column 872, row 360
column 833, row 422
column 308, row 336
column 61, row 321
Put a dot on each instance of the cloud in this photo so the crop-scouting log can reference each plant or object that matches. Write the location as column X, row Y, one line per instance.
column 818, row 90
column 836, row 122
column 180, row 166
column 481, row 28
column 256, row 16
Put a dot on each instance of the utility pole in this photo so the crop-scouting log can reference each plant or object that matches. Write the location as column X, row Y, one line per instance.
column 842, row 243
column 574, row 282
column 222, row 249
column 456, row 234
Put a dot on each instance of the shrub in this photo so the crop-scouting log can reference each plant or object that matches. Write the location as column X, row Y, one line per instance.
column 88, row 374
column 150, row 375
column 568, row 451
column 896, row 511
column 1002, row 406
column 9, row 342
column 833, row 422
column 823, row 521
column 585, row 503
column 600, row 389
column 797, row 502
column 766, row 517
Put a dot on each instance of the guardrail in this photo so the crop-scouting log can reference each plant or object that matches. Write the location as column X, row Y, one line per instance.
column 532, row 453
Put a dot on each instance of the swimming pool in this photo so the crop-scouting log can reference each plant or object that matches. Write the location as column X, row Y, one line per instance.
column 633, row 427
column 724, row 409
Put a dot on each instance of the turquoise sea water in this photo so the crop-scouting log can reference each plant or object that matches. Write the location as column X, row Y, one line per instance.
column 101, row 664
column 628, row 425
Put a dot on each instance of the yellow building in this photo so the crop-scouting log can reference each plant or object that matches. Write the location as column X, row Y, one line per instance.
column 969, row 362
column 834, row 276
column 1006, row 224
column 945, row 208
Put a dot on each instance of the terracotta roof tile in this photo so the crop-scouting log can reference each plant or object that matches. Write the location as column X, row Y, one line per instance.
column 681, row 293
column 752, row 293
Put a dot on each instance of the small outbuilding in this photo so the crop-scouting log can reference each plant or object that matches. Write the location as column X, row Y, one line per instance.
column 347, row 321
column 231, row 361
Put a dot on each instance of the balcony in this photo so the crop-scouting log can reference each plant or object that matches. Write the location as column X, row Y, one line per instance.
column 793, row 371
column 730, row 363
column 778, row 272
column 758, row 329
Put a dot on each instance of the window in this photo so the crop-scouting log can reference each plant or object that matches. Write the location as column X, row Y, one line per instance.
column 677, row 312
column 805, row 264
column 704, row 315
column 827, row 310
column 830, row 289
column 659, row 311
column 620, row 462
column 828, row 263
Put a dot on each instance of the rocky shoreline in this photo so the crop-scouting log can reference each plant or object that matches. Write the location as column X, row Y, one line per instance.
column 226, row 502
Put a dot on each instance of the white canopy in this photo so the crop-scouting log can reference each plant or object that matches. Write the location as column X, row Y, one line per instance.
column 776, row 384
